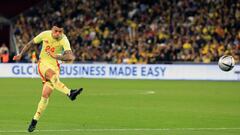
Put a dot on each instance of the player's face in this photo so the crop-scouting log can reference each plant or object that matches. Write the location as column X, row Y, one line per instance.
column 57, row 32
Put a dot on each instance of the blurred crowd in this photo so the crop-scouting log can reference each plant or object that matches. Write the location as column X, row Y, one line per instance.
column 139, row 31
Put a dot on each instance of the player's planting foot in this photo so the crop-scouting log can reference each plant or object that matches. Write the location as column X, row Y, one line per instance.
column 32, row 125
column 74, row 93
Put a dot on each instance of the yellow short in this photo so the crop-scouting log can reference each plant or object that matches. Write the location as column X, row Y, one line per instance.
column 43, row 67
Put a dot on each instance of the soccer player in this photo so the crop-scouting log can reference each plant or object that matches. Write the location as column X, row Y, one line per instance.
column 54, row 42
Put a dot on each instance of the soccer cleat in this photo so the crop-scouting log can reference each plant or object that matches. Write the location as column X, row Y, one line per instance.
column 74, row 93
column 32, row 126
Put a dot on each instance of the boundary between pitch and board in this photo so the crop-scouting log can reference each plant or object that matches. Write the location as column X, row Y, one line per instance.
column 121, row 130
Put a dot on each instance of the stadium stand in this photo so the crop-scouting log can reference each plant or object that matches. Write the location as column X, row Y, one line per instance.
column 132, row 31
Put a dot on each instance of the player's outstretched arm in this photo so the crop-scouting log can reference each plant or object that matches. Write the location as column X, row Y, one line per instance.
column 67, row 56
column 24, row 50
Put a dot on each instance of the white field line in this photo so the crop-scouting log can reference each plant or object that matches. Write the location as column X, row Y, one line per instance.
column 150, row 92
column 120, row 130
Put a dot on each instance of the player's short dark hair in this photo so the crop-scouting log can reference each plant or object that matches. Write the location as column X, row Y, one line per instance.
column 59, row 24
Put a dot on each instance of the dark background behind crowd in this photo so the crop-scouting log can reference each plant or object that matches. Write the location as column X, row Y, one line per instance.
column 138, row 31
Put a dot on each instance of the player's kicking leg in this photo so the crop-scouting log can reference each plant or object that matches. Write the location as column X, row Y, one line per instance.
column 58, row 85
column 46, row 92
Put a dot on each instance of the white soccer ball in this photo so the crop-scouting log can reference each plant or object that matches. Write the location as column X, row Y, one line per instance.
column 226, row 63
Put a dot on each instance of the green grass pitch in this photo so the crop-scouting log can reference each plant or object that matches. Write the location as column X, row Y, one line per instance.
column 123, row 107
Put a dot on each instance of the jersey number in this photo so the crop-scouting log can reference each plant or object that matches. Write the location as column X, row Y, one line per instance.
column 49, row 48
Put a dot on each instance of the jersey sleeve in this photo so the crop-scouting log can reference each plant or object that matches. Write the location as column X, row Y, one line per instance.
column 39, row 38
column 66, row 45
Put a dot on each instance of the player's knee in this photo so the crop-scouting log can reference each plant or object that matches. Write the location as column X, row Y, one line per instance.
column 47, row 90
column 45, row 95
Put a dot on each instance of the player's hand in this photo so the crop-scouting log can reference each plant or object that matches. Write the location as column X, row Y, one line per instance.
column 17, row 57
